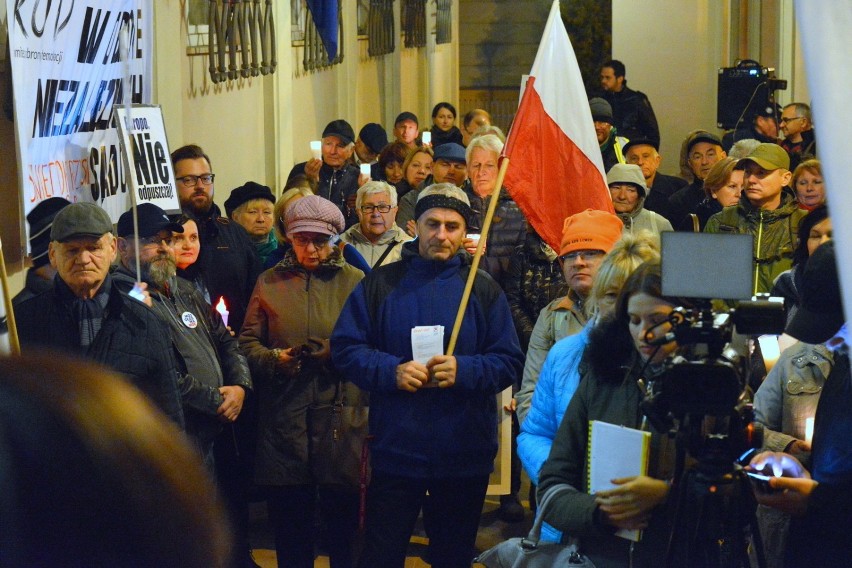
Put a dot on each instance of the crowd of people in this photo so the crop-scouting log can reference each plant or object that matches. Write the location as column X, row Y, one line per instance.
column 343, row 290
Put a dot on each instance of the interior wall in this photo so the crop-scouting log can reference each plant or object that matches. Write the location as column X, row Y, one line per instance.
column 678, row 71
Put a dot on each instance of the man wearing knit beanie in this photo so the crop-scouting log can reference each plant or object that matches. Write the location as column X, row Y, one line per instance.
column 432, row 415
column 586, row 238
column 610, row 142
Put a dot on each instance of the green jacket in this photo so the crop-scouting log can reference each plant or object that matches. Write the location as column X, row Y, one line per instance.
column 775, row 235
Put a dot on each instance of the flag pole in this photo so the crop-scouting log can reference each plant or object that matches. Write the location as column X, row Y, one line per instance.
column 14, row 344
column 486, row 225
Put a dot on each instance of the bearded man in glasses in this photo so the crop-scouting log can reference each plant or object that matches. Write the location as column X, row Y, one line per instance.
column 376, row 236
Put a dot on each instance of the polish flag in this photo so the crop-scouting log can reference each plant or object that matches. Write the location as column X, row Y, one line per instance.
column 555, row 165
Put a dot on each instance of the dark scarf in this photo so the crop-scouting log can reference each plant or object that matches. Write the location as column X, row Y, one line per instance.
column 88, row 313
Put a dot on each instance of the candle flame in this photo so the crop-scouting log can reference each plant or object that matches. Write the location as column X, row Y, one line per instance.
column 220, row 305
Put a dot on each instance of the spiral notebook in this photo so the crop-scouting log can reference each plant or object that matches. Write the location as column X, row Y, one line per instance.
column 616, row 451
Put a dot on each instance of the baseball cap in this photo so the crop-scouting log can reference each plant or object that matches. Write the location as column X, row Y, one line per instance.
column 769, row 157
column 341, row 129
column 151, row 221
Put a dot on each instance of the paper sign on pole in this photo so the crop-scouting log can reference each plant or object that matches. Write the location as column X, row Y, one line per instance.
column 145, row 153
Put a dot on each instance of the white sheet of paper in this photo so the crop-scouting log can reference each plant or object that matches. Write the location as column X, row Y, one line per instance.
column 426, row 342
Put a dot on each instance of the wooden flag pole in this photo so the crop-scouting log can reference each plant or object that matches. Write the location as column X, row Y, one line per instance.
column 14, row 344
column 486, row 225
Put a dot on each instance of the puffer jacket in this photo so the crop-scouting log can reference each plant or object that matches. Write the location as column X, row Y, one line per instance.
column 435, row 432
column 289, row 305
column 533, row 280
column 775, row 235
column 508, row 230
column 337, row 185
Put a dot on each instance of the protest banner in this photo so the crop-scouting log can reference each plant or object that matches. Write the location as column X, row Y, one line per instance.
column 67, row 74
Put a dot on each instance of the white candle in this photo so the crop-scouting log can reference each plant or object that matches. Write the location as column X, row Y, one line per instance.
column 809, row 429
column 426, row 137
column 770, row 350
column 223, row 310
column 316, row 149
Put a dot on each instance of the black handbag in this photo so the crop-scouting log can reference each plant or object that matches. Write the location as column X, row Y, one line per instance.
column 337, row 442
column 528, row 552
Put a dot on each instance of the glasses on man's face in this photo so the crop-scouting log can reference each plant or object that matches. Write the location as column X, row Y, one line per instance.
column 582, row 255
column 192, row 181
column 381, row 208
column 785, row 120
column 318, row 242
column 155, row 240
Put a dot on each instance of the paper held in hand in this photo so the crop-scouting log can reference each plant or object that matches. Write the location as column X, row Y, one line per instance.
column 426, row 342
column 616, row 451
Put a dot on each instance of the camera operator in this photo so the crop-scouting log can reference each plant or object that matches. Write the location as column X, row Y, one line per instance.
column 820, row 500
column 607, row 393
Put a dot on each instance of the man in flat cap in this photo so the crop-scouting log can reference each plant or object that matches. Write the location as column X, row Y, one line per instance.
column 85, row 314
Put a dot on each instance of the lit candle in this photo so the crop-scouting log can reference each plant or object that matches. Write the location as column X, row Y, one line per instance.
column 223, row 310
column 316, row 149
column 770, row 350
column 426, row 137
column 366, row 169
column 809, row 429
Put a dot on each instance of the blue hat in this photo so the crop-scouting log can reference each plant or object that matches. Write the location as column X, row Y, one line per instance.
column 450, row 152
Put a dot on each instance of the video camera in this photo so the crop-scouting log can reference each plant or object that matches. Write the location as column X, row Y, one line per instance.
column 703, row 391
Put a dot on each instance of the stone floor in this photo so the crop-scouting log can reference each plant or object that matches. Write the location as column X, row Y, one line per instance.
column 491, row 531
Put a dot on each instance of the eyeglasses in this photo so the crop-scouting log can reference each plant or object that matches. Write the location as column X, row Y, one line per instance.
column 156, row 240
column 191, row 181
column 318, row 242
column 582, row 255
column 382, row 207
column 785, row 120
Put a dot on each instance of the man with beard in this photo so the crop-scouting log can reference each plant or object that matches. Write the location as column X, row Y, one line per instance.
column 214, row 375
column 227, row 261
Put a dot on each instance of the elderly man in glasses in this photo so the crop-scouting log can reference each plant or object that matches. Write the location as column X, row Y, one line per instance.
column 586, row 238
column 376, row 236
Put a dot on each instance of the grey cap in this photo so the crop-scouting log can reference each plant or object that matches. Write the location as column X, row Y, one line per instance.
column 601, row 110
column 80, row 220
column 627, row 173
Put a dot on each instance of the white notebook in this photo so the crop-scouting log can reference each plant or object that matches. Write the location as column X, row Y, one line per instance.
column 616, row 451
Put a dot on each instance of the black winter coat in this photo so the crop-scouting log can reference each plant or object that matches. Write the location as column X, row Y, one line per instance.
column 131, row 341
column 229, row 263
column 508, row 230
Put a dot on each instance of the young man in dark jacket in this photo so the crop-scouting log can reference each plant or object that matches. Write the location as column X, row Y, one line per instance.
column 433, row 419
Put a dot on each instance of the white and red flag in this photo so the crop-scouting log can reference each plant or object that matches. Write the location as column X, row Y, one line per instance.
column 555, row 165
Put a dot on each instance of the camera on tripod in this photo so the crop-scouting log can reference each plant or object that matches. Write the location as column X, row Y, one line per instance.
column 703, row 393
column 704, row 386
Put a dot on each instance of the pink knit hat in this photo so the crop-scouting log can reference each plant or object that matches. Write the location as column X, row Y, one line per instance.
column 314, row 214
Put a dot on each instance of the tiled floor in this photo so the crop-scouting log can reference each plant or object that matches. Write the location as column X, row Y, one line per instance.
column 491, row 531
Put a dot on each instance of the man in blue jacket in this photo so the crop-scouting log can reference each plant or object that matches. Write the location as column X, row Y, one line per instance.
column 434, row 420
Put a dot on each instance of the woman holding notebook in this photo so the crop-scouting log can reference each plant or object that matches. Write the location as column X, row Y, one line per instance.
column 620, row 352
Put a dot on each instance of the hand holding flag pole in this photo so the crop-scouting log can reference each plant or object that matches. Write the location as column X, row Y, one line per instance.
column 480, row 247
